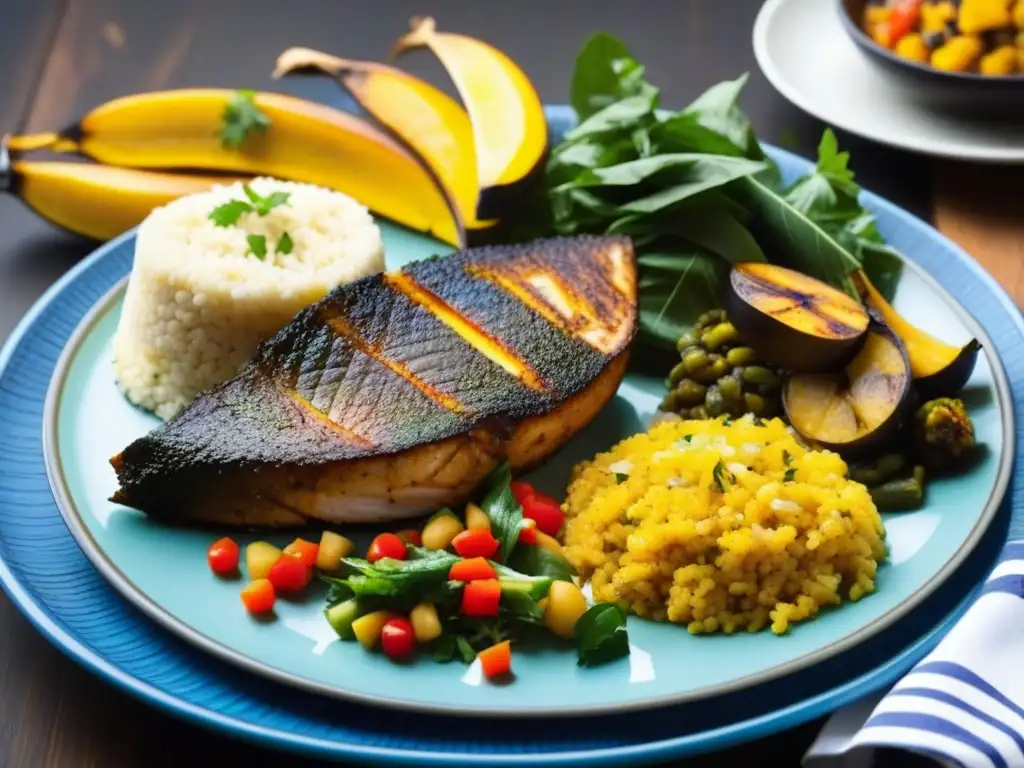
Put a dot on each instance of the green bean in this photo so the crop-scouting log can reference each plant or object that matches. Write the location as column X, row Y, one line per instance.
column 714, row 402
column 754, row 403
column 719, row 336
column 731, row 388
column 686, row 340
column 898, row 495
column 690, row 393
column 740, row 356
column 695, row 361
column 758, row 374
column 677, row 374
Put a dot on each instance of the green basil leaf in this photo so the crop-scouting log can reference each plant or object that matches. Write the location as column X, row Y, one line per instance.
column 503, row 510
column 701, row 172
column 605, row 72
column 796, row 240
column 719, row 232
column 684, row 132
column 338, row 590
column 521, row 606
column 671, row 300
column 444, row 649
column 601, row 635
column 537, row 561
column 621, row 114
column 718, row 110
column 465, row 649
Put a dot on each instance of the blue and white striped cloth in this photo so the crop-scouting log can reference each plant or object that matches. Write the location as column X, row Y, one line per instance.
column 962, row 705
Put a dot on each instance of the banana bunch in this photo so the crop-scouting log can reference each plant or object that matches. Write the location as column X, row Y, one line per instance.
column 437, row 166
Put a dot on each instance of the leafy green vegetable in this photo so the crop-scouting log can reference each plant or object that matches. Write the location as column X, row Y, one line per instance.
column 696, row 193
column 605, row 73
column 521, row 606
column 601, row 636
column 536, row 584
column 539, row 562
column 674, row 290
column 241, row 119
column 285, row 244
column 338, row 591
column 425, row 572
column 465, row 649
column 257, row 245
column 790, row 474
column 503, row 510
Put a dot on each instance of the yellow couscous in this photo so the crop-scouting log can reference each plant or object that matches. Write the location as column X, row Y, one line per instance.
column 722, row 527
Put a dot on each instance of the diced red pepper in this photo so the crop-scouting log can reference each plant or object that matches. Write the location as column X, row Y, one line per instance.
column 473, row 569
column 397, row 638
column 521, row 490
column 528, row 533
column 496, row 660
column 306, row 551
column 475, row 543
column 411, row 537
column 223, row 556
column 387, row 545
column 545, row 511
column 481, row 598
column 290, row 574
column 903, row 19
column 258, row 596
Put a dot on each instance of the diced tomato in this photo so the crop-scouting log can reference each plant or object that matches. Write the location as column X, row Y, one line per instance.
column 528, row 533
column 306, row 551
column 545, row 511
column 903, row 19
column 397, row 638
column 473, row 569
column 496, row 660
column 223, row 556
column 475, row 543
column 258, row 596
column 411, row 537
column 387, row 545
column 481, row 598
column 521, row 490
column 290, row 574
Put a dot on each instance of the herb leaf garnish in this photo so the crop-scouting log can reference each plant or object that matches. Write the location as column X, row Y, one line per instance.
column 285, row 244
column 723, row 478
column 601, row 635
column 257, row 246
column 503, row 510
column 241, row 118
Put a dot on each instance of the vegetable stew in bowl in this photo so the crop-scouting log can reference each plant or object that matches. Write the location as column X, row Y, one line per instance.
column 957, row 53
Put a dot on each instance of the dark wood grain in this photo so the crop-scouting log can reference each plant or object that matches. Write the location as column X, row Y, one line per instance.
column 59, row 59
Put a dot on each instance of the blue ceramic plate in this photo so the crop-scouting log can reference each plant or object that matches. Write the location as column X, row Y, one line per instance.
column 48, row 577
column 163, row 570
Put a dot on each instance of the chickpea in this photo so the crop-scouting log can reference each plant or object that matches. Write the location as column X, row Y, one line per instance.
column 439, row 532
column 565, row 605
column 425, row 623
column 476, row 518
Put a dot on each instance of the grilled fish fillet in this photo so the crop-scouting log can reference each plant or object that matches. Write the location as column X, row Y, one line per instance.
column 398, row 393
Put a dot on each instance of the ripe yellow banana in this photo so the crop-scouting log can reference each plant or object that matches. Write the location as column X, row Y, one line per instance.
column 99, row 201
column 435, row 126
column 304, row 141
column 510, row 131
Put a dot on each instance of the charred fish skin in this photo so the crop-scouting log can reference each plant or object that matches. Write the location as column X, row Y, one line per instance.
column 393, row 371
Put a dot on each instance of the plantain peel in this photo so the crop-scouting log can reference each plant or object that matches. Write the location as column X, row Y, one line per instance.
column 399, row 392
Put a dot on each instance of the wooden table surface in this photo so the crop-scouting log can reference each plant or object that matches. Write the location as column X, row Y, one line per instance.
column 58, row 58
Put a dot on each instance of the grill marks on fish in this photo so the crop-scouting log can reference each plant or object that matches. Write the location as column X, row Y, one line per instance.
column 356, row 397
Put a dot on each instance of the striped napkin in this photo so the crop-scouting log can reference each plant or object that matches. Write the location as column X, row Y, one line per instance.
column 962, row 705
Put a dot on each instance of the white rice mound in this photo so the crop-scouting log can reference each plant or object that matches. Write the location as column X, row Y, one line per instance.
column 199, row 302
